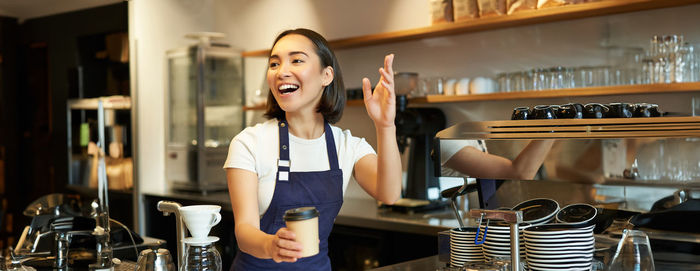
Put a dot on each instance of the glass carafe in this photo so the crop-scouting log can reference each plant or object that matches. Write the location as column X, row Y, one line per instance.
column 633, row 253
column 201, row 257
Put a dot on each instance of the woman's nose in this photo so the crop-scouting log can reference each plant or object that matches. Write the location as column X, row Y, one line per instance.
column 283, row 70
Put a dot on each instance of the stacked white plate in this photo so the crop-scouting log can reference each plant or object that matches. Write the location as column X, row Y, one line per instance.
column 462, row 247
column 559, row 247
column 497, row 243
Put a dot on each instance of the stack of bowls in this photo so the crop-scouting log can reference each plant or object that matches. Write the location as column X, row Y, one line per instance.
column 462, row 246
column 497, row 242
column 559, row 247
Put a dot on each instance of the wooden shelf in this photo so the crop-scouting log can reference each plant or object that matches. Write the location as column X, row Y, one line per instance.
column 254, row 107
column 575, row 128
column 571, row 92
column 543, row 94
column 528, row 17
column 110, row 102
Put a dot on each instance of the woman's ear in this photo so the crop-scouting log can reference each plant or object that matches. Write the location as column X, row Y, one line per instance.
column 327, row 76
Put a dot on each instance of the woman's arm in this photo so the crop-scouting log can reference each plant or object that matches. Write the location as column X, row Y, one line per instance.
column 380, row 175
column 243, row 191
column 478, row 164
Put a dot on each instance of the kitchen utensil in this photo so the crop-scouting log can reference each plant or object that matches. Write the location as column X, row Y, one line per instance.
column 200, row 218
column 56, row 204
column 537, row 210
column 579, row 214
column 453, row 193
column 155, row 259
column 201, row 255
column 543, row 112
column 633, row 252
column 520, row 113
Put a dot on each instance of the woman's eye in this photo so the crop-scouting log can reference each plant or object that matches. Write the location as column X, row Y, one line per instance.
column 297, row 61
column 273, row 64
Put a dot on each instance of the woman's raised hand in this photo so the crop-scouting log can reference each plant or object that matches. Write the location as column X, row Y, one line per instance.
column 284, row 248
column 381, row 105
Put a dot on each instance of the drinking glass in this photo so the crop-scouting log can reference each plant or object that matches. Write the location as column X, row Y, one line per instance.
column 432, row 85
column 504, row 82
column 583, row 76
column 556, row 78
column 633, row 252
column 539, row 79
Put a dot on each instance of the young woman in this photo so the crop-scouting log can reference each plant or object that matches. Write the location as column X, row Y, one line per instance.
column 297, row 158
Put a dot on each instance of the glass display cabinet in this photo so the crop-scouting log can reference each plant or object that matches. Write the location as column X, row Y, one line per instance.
column 638, row 172
column 204, row 111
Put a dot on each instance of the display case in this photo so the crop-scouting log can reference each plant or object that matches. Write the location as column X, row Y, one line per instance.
column 646, row 168
column 204, row 111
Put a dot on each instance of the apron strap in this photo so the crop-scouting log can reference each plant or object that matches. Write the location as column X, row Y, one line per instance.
column 330, row 147
column 283, row 161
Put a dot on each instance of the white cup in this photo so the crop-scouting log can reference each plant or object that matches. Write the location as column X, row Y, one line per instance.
column 304, row 223
column 450, row 86
column 200, row 218
column 462, row 86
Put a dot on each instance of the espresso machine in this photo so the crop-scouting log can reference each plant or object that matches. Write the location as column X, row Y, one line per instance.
column 415, row 129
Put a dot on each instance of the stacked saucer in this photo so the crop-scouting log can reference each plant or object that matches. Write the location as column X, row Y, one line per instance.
column 559, row 246
column 462, row 247
column 497, row 243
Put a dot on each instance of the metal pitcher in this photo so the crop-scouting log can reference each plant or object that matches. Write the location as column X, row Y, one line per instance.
column 155, row 260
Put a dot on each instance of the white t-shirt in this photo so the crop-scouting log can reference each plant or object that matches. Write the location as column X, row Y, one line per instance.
column 449, row 148
column 256, row 149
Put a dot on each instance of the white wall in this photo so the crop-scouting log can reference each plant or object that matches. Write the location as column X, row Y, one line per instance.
column 159, row 25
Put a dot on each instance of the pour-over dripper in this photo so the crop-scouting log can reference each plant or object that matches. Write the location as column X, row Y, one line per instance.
column 199, row 219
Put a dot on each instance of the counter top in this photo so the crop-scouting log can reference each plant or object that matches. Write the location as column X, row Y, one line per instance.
column 427, row 263
column 355, row 212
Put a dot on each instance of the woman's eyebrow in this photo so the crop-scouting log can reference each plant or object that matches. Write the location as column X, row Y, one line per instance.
column 275, row 56
column 297, row 53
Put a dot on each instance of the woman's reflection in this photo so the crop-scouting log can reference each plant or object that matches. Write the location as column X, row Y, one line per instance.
column 471, row 158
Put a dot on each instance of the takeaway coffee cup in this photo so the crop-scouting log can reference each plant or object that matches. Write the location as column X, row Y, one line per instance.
column 304, row 223
column 200, row 218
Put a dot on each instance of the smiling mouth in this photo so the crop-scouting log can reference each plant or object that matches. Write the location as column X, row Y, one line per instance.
column 288, row 88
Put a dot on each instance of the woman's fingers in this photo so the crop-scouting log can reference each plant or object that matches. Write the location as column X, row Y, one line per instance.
column 366, row 88
column 286, row 248
column 388, row 62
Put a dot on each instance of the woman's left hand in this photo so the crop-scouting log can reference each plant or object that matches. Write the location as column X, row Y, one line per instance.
column 381, row 105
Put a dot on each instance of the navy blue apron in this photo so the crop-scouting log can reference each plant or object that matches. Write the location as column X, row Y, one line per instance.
column 321, row 189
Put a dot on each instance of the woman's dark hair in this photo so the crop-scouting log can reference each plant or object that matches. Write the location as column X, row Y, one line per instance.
column 333, row 97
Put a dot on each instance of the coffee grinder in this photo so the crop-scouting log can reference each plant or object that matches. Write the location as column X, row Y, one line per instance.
column 416, row 129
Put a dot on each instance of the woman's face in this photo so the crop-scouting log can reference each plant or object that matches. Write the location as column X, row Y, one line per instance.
column 295, row 75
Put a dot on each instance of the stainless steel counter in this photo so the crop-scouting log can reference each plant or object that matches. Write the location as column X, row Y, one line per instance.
column 355, row 212
column 423, row 264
